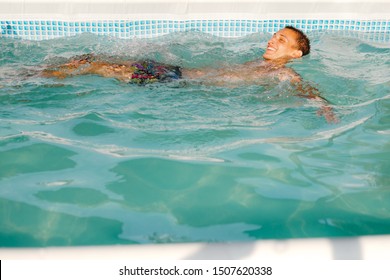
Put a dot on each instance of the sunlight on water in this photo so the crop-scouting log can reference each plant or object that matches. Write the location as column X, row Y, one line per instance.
column 89, row 160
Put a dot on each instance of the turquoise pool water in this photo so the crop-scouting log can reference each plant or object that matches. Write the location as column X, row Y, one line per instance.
column 90, row 161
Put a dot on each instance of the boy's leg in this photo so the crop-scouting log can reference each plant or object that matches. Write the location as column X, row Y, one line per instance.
column 78, row 65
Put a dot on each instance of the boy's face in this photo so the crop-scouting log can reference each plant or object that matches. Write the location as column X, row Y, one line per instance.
column 282, row 45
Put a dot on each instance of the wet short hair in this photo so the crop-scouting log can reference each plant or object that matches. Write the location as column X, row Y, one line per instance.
column 302, row 40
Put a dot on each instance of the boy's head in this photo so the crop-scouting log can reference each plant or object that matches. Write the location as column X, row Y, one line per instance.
column 287, row 43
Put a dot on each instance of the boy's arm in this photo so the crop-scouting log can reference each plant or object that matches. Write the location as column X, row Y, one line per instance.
column 306, row 90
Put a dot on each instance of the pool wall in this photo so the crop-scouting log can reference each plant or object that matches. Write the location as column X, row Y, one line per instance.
column 47, row 19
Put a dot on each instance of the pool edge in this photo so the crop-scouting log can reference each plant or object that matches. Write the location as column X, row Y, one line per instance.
column 375, row 247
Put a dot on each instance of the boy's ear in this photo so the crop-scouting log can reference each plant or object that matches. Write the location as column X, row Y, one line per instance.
column 297, row 53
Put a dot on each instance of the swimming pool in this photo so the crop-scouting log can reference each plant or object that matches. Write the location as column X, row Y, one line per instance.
column 92, row 161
